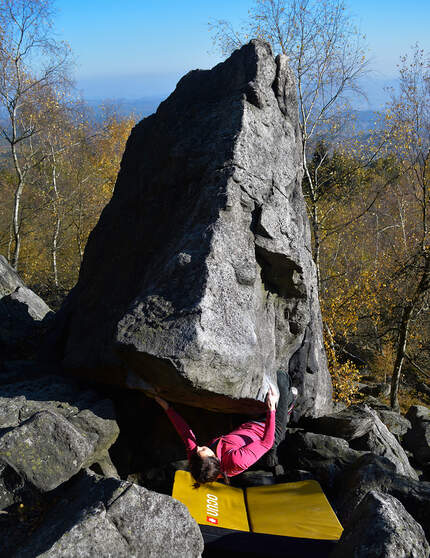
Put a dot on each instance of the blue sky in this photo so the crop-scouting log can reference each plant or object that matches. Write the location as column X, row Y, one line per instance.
column 140, row 48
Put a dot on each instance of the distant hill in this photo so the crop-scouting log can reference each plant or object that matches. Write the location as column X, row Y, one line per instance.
column 364, row 119
column 125, row 107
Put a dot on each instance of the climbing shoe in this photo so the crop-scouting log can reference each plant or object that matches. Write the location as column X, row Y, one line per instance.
column 295, row 394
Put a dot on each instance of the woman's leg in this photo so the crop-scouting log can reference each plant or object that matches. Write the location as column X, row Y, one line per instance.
column 286, row 398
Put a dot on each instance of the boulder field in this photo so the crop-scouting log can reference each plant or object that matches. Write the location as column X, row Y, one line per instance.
column 197, row 280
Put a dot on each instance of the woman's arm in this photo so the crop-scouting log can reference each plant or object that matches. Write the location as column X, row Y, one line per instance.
column 180, row 425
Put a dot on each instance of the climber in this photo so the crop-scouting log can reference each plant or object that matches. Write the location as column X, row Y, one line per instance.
column 231, row 454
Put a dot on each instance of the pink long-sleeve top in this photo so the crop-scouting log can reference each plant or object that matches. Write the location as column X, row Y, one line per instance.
column 236, row 451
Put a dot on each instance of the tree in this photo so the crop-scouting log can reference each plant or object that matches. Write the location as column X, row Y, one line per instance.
column 70, row 187
column 31, row 62
column 410, row 113
column 326, row 51
column 56, row 140
column 385, row 254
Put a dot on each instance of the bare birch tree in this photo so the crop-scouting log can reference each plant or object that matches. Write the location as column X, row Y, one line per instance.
column 31, row 60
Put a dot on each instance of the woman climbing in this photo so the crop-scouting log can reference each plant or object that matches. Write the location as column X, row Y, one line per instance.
column 233, row 453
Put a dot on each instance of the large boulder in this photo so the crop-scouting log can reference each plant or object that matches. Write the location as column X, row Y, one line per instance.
column 198, row 276
column 95, row 516
column 380, row 527
column 380, row 441
column 417, row 439
column 396, row 423
column 326, row 457
column 24, row 316
column 46, row 450
column 363, row 429
column 49, row 430
column 374, row 472
column 9, row 278
column 349, row 423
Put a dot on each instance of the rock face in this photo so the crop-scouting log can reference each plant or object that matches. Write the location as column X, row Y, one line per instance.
column 373, row 472
column 325, row 457
column 380, row 527
column 198, row 276
column 9, row 278
column 23, row 315
column 49, row 430
column 351, row 453
column 96, row 516
column 395, row 422
column 363, row 429
column 417, row 439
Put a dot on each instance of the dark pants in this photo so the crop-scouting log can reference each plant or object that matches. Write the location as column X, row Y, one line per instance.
column 285, row 400
column 282, row 417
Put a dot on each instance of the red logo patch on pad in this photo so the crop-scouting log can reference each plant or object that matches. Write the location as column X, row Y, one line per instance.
column 212, row 520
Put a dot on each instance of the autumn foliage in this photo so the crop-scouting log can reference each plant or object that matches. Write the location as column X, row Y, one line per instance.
column 70, row 182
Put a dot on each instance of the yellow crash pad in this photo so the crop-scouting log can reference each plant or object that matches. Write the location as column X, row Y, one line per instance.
column 294, row 509
column 212, row 503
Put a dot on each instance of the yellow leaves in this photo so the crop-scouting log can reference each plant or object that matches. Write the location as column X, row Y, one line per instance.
column 383, row 362
column 71, row 180
column 35, row 266
column 345, row 377
column 110, row 147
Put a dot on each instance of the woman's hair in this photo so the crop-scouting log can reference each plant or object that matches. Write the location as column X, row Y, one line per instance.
column 205, row 469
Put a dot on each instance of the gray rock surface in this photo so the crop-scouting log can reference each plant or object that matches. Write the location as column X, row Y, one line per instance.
column 418, row 413
column 50, row 429
column 375, row 403
column 29, row 302
column 96, row 517
column 326, row 457
column 380, row 527
column 24, row 316
column 363, row 429
column 375, row 389
column 9, row 278
column 379, row 440
column 373, row 472
column 208, row 286
column 352, row 422
column 417, row 439
column 45, row 450
column 396, row 423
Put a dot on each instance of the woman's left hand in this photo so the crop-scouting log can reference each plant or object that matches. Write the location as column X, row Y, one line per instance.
column 272, row 399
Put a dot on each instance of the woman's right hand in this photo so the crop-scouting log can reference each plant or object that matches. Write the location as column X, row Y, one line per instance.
column 272, row 399
column 162, row 402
